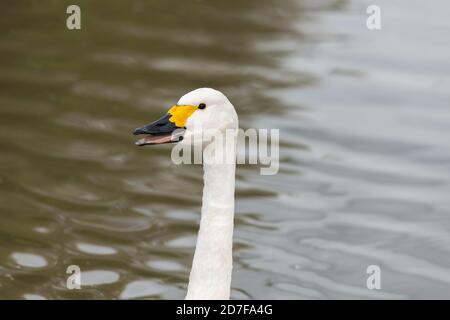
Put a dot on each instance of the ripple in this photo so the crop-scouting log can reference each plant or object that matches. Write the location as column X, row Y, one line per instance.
column 364, row 158
column 397, row 261
column 41, row 230
column 103, row 91
column 98, row 277
column 29, row 260
column 299, row 291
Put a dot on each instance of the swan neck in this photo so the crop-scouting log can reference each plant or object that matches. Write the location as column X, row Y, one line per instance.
column 210, row 276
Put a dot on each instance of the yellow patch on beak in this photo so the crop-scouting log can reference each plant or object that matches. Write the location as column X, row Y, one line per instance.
column 180, row 114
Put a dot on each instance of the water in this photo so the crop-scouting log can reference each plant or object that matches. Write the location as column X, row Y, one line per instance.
column 365, row 162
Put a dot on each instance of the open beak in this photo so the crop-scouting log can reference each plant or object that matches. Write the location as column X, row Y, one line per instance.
column 159, row 132
column 168, row 129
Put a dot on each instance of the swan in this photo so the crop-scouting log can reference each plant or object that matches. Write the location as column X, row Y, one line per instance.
column 188, row 122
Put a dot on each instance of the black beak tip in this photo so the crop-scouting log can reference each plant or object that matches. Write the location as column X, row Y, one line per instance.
column 138, row 131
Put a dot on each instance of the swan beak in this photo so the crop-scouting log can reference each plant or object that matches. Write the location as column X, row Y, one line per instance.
column 167, row 129
column 159, row 132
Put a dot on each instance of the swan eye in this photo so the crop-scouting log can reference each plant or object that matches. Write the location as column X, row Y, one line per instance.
column 202, row 106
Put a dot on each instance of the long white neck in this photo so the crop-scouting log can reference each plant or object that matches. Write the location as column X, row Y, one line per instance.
column 210, row 276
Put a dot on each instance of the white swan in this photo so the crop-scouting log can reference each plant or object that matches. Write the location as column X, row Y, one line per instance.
column 198, row 112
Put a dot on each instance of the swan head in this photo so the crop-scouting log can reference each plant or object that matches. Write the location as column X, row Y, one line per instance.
column 194, row 114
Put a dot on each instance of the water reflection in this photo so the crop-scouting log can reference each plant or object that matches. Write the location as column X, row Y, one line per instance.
column 364, row 156
column 98, row 277
column 95, row 249
column 31, row 296
column 29, row 260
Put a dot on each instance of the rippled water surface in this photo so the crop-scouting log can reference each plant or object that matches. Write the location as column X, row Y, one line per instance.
column 364, row 119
